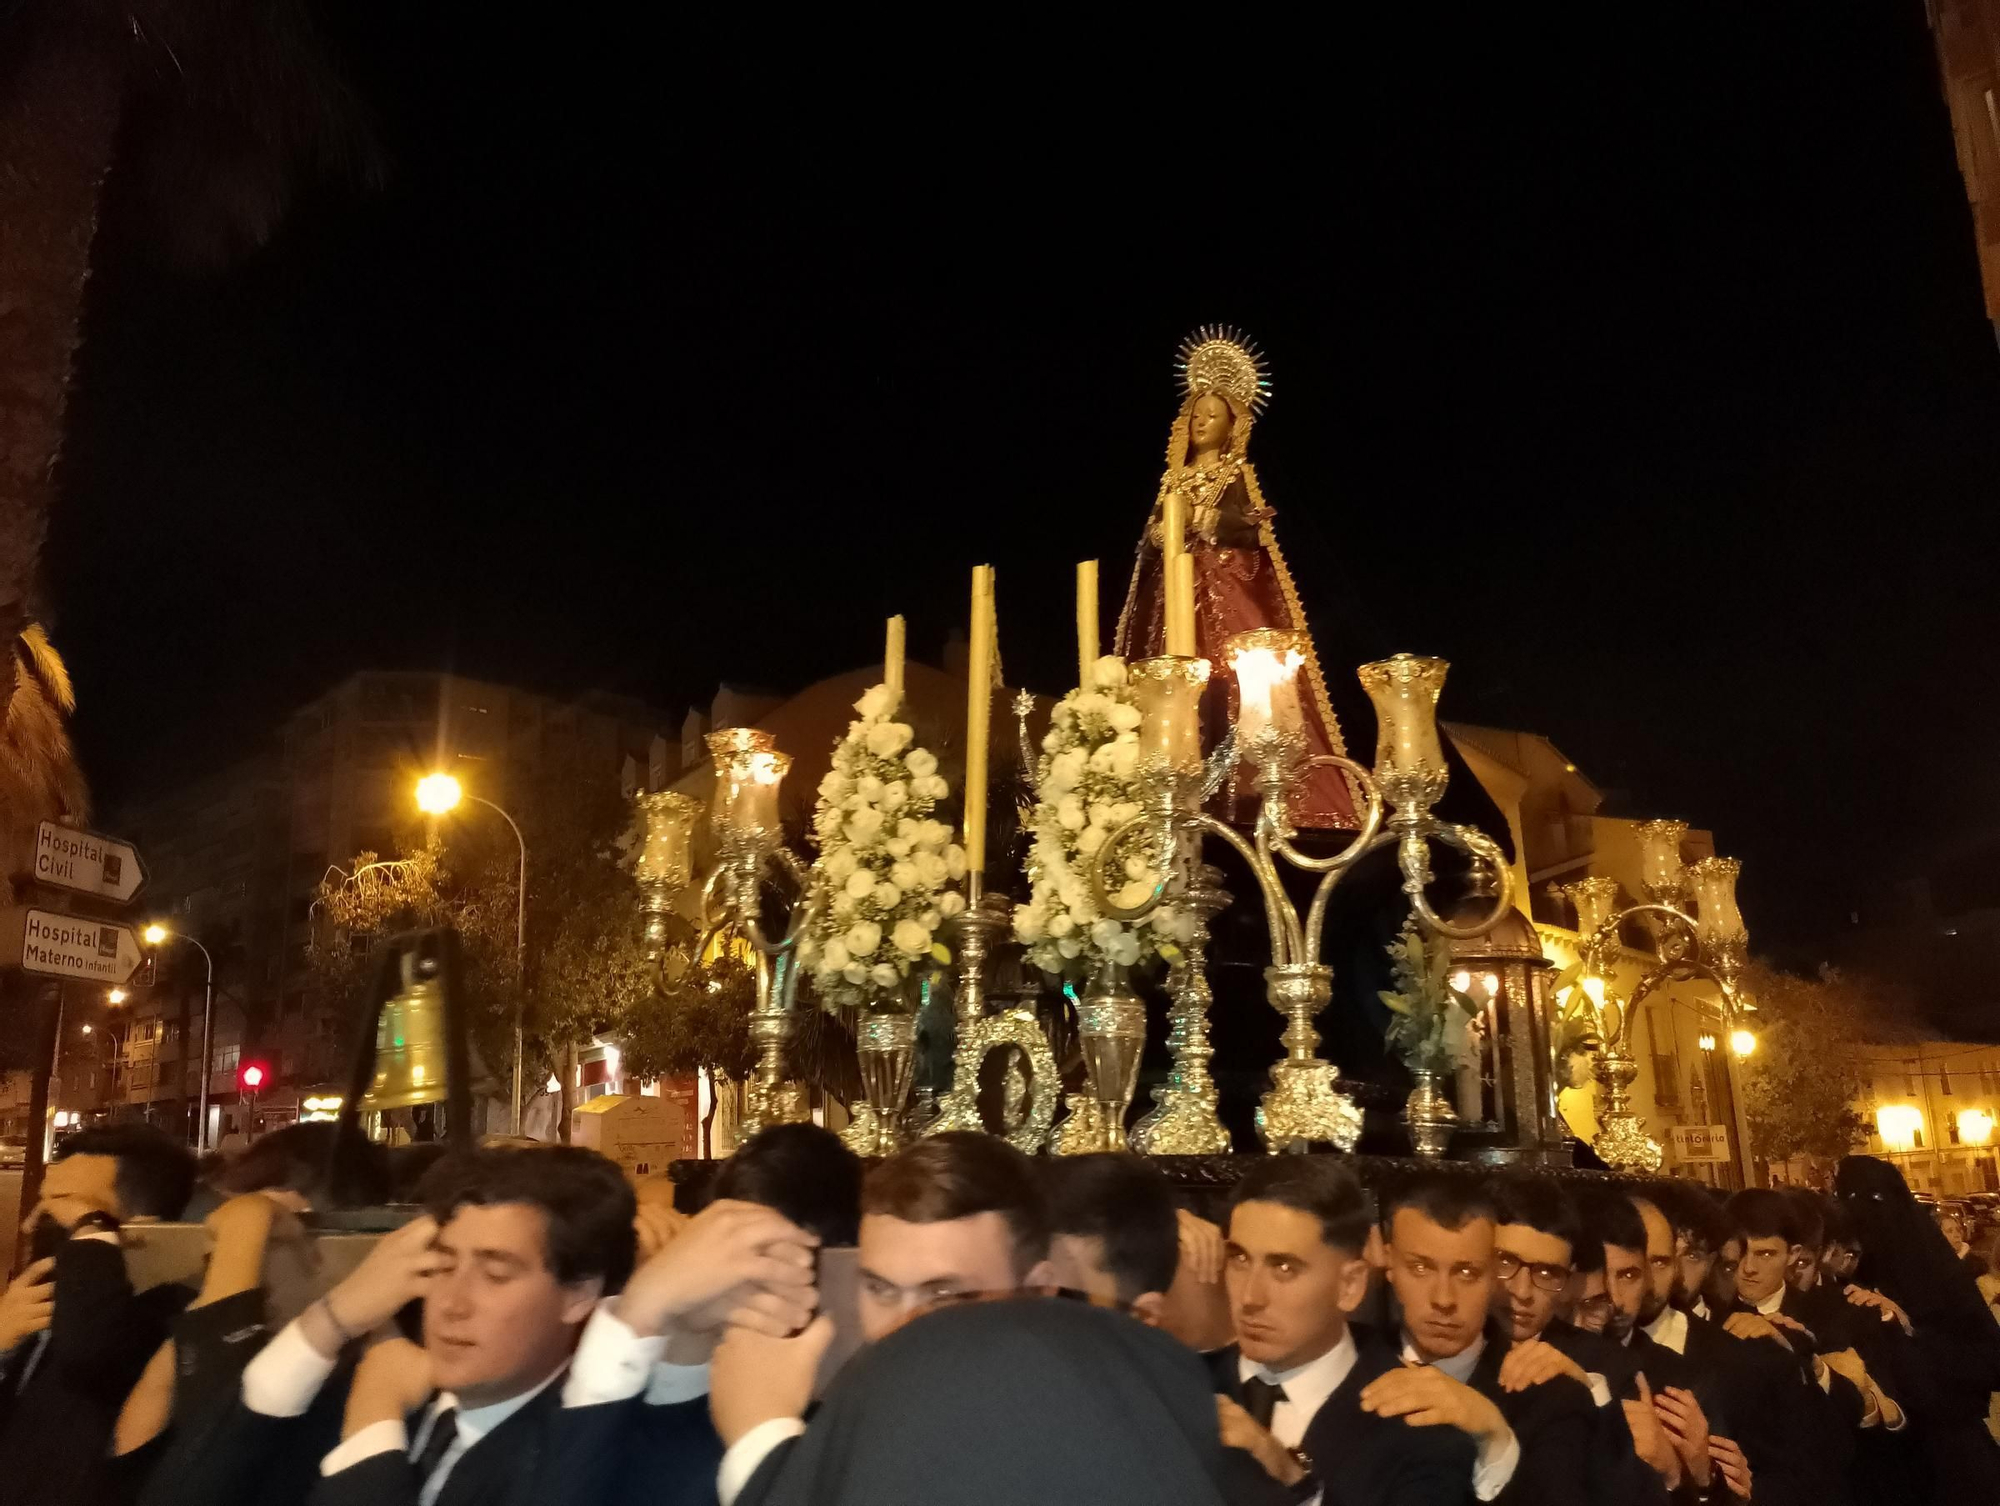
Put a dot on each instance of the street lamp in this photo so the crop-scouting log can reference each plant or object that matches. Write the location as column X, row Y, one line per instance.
column 157, row 934
column 1742, row 1042
column 116, row 996
column 440, row 794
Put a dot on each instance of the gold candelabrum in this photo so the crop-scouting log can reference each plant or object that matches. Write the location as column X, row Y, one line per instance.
column 1698, row 933
column 749, row 851
column 665, row 864
column 1305, row 1103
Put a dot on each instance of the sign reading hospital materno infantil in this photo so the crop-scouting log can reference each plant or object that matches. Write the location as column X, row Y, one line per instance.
column 68, row 946
column 87, row 863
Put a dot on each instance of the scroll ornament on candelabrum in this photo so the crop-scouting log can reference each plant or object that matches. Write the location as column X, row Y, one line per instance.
column 751, row 852
column 877, row 901
column 1305, row 1104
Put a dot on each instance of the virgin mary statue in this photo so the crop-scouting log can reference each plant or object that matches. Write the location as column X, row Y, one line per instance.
column 1240, row 578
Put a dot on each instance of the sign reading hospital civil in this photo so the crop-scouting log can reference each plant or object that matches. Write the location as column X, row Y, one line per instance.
column 68, row 946
column 69, row 858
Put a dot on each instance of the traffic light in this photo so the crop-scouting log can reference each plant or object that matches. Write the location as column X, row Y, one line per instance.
column 252, row 1076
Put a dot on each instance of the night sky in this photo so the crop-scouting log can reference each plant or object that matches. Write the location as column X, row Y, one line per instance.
column 1641, row 375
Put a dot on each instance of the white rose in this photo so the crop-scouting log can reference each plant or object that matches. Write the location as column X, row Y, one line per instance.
column 912, row 938
column 1061, row 925
column 954, row 861
column 864, row 826
column 1029, row 927
column 1104, row 932
column 1123, row 949
column 1090, row 839
column 930, row 918
column 1100, row 813
column 1125, row 810
column 903, row 875
column 1123, row 717
column 1069, row 811
column 1135, row 868
column 1105, row 759
column 835, row 956
column 1069, row 946
column 876, row 702
column 930, row 787
column 894, row 794
column 887, row 896
column 921, row 761
column 931, row 867
column 863, row 937
column 859, row 885
column 897, row 847
column 1071, row 891
column 1130, row 897
column 1162, row 921
column 1108, row 671
column 933, row 834
column 868, row 787
column 844, row 905
column 885, row 975
column 840, row 865
column 833, row 786
column 950, row 903
column 854, row 972
column 1124, row 755
column 1091, row 704
column 887, row 739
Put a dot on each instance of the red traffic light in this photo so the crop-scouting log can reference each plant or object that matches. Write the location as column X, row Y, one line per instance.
column 252, row 1076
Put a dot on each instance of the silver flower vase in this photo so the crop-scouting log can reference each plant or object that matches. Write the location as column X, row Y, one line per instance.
column 1429, row 1114
column 885, row 1042
column 1111, row 1025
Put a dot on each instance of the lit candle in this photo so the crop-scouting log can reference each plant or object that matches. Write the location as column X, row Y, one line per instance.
column 978, row 712
column 757, row 792
column 1173, row 549
column 1266, row 662
column 892, row 662
column 1168, row 693
column 1184, row 605
column 1660, row 854
column 1086, row 619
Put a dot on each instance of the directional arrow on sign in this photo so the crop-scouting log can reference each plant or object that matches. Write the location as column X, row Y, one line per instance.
column 87, row 863
column 68, row 946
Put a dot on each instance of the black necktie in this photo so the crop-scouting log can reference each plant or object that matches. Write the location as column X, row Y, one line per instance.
column 1260, row 1400
column 444, row 1433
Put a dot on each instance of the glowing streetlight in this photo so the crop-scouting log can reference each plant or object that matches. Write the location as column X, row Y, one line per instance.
column 1742, row 1042
column 116, row 996
column 155, row 934
column 438, row 794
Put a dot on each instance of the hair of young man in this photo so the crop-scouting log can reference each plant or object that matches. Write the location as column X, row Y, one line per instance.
column 803, row 1171
column 1317, row 1185
column 587, row 1204
column 1693, row 1211
column 314, row 1160
column 1612, row 1218
column 1539, row 1204
column 1808, row 1211
column 961, row 1174
column 1840, row 1228
column 1763, row 1213
column 155, row 1175
column 1124, row 1202
column 1450, row 1202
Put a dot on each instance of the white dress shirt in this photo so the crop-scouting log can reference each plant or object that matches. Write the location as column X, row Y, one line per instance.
column 1498, row 1458
column 1670, row 1329
column 1306, row 1387
column 470, row 1424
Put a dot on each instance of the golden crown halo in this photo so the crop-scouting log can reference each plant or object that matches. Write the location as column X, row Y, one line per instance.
column 1221, row 358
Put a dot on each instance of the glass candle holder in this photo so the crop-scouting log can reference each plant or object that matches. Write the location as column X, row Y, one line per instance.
column 748, row 771
column 1595, row 899
column 665, row 856
column 1660, row 855
column 1266, row 663
column 1409, row 759
column 1168, row 692
column 1717, row 920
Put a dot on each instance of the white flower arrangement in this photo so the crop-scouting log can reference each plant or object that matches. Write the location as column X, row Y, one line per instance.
column 884, row 863
column 1086, row 787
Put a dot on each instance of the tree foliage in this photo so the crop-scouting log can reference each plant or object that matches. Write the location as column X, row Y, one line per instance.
column 1802, row 1085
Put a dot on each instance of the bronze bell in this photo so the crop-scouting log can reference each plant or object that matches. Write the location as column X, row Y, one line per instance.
column 410, row 1061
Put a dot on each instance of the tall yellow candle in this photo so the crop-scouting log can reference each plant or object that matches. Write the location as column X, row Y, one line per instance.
column 1086, row 619
column 892, row 659
column 1173, row 547
column 1183, row 592
column 978, row 711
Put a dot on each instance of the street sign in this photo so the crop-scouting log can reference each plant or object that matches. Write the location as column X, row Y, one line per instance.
column 68, row 946
column 87, row 863
column 1699, row 1143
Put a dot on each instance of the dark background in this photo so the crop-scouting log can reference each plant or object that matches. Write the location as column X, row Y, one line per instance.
column 1640, row 374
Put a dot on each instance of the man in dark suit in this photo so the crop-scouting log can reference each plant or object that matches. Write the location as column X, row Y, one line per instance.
column 1533, row 1425
column 65, row 1378
column 1290, row 1388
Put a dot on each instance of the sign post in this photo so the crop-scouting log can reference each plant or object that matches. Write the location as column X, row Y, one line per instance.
column 86, row 863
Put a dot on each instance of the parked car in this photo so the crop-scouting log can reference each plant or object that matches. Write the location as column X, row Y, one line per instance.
column 13, row 1153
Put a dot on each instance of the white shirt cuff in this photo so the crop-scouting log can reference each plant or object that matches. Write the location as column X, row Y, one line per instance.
column 1495, row 1465
column 102, row 1236
column 384, row 1437
column 669, row 1384
column 612, row 1363
column 749, row 1451
column 286, row 1375
column 1600, row 1388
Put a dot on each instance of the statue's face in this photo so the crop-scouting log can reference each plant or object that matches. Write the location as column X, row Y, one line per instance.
column 1209, row 424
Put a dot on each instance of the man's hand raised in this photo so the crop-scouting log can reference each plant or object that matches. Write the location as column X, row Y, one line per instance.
column 755, row 1377
column 1687, row 1426
column 1536, row 1361
column 395, row 1273
column 1241, row 1430
column 735, row 1263
column 1425, row 1397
